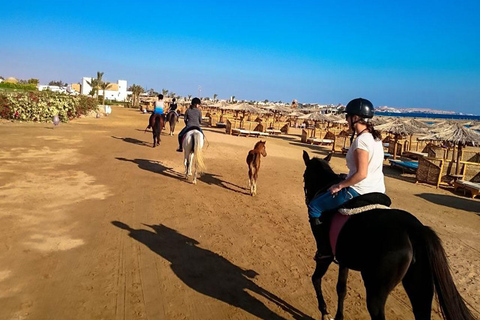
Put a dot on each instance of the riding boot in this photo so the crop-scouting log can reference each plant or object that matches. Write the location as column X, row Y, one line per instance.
column 321, row 233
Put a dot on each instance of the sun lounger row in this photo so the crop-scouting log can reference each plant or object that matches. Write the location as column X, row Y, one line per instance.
column 248, row 133
column 320, row 141
column 406, row 166
column 473, row 187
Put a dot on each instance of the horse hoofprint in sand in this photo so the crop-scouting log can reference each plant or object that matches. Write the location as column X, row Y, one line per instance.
column 193, row 154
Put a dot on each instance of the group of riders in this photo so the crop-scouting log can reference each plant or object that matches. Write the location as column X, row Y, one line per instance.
column 192, row 117
column 364, row 160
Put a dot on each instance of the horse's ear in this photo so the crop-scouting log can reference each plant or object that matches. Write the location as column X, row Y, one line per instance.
column 327, row 158
column 306, row 157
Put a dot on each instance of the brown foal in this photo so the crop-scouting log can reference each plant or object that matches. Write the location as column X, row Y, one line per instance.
column 253, row 162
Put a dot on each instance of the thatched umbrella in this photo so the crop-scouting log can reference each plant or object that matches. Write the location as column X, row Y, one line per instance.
column 418, row 124
column 476, row 127
column 399, row 128
column 458, row 135
column 315, row 117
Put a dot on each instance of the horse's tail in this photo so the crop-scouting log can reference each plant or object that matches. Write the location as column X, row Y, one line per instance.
column 157, row 125
column 451, row 302
column 198, row 152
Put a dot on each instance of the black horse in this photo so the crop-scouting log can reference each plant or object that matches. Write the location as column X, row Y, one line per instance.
column 157, row 122
column 387, row 246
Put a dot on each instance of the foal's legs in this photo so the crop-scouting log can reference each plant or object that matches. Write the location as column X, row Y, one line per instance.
column 255, row 176
column 341, row 290
column 317, row 276
column 419, row 286
column 250, row 178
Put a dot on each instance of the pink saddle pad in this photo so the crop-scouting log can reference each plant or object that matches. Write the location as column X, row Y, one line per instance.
column 336, row 226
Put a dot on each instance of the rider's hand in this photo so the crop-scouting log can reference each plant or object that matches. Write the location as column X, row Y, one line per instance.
column 335, row 188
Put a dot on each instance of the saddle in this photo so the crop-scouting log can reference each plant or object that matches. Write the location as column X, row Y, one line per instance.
column 362, row 203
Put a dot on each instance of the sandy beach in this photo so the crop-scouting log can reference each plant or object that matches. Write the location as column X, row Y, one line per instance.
column 97, row 224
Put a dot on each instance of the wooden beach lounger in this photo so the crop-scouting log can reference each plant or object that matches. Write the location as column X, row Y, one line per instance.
column 473, row 187
column 406, row 166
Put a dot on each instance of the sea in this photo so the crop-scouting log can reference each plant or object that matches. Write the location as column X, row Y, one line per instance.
column 430, row 115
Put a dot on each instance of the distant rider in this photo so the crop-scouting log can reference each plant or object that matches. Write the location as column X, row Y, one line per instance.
column 158, row 110
column 193, row 119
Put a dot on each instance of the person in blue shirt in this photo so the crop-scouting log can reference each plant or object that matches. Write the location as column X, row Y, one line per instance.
column 157, row 110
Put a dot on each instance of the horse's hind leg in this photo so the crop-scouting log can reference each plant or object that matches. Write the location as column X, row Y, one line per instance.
column 341, row 290
column 419, row 287
column 250, row 177
column 381, row 277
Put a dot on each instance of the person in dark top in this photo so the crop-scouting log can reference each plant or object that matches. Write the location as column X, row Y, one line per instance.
column 173, row 106
column 192, row 118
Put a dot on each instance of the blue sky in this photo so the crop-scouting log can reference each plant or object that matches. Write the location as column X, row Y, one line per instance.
column 395, row 53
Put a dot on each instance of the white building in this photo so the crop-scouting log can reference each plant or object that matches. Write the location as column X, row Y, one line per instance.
column 116, row 91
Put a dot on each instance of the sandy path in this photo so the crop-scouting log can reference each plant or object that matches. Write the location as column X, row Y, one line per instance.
column 96, row 224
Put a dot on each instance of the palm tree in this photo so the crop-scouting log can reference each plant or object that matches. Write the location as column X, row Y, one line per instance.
column 95, row 83
column 189, row 97
column 136, row 91
column 104, row 86
column 164, row 92
column 215, row 97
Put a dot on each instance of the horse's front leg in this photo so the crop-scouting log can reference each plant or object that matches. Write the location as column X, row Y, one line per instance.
column 341, row 290
column 320, row 270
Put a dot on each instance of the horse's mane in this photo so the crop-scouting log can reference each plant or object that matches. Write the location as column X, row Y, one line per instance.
column 321, row 164
column 258, row 143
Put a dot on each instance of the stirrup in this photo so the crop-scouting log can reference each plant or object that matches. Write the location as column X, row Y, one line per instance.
column 318, row 256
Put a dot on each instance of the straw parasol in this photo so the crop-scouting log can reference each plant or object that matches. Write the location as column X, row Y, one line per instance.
column 417, row 123
column 315, row 117
column 458, row 135
column 399, row 128
column 475, row 127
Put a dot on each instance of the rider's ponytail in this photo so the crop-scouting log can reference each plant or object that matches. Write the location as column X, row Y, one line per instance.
column 376, row 134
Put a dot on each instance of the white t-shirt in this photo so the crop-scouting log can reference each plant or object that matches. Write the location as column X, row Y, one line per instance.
column 374, row 182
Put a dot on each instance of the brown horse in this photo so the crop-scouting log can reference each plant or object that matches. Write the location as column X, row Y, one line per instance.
column 253, row 162
column 156, row 122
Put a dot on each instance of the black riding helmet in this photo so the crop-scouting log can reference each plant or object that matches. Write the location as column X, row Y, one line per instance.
column 196, row 101
column 360, row 107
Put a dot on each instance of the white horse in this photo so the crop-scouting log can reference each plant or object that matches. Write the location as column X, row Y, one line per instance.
column 193, row 154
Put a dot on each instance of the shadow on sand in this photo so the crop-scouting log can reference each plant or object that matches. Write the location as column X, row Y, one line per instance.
column 323, row 150
column 209, row 273
column 208, row 178
column 452, row 202
column 134, row 141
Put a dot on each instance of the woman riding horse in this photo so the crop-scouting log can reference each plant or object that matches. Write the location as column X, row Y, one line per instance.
column 365, row 164
column 192, row 118
column 157, row 111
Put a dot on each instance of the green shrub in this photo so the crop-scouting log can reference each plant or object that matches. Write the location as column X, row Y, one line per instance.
column 19, row 86
column 43, row 105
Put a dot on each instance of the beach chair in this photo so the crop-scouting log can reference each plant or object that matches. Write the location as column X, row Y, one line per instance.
column 405, row 166
column 259, row 128
column 430, row 170
column 304, row 136
column 469, row 180
column 228, row 127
